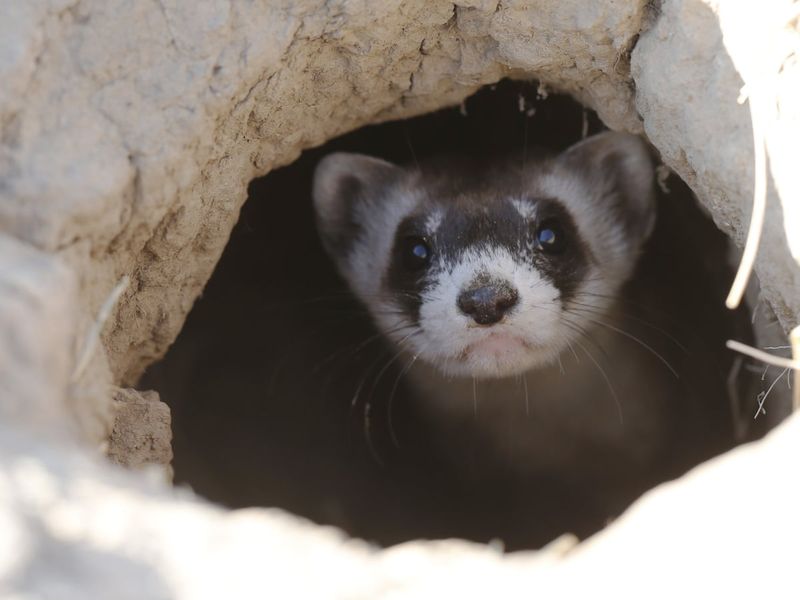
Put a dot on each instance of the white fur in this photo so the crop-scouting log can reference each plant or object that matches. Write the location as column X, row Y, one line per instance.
column 434, row 221
column 531, row 334
column 612, row 251
column 526, row 209
column 372, row 257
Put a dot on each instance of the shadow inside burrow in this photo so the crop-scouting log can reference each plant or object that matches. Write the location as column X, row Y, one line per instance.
column 277, row 382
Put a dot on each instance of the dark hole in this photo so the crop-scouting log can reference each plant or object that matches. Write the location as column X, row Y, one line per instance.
column 272, row 381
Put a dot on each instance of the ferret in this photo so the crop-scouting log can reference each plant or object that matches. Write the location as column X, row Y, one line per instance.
column 503, row 284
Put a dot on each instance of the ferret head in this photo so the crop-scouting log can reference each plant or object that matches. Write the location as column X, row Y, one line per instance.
column 491, row 271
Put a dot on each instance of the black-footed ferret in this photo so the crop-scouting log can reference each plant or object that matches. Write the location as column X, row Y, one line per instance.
column 502, row 285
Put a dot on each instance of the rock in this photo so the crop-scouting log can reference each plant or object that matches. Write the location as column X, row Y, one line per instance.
column 37, row 297
column 75, row 528
column 132, row 129
column 142, row 433
column 688, row 69
column 42, row 331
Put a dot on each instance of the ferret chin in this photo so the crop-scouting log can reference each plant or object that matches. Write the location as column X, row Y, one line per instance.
column 499, row 354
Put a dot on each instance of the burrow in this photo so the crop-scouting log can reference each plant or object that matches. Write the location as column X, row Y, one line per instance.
column 266, row 379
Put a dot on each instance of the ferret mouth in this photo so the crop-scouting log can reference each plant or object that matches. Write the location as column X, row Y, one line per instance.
column 495, row 345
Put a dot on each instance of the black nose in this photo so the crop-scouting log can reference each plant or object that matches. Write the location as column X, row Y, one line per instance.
column 487, row 304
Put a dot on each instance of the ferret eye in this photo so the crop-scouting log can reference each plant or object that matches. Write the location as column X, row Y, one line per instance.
column 416, row 253
column 550, row 237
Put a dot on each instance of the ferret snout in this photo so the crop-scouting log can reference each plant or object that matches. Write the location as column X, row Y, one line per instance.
column 487, row 303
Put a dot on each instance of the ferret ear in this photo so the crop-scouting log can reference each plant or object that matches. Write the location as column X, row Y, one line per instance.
column 619, row 169
column 342, row 181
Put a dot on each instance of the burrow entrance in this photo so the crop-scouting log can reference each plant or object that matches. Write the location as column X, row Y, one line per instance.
column 273, row 380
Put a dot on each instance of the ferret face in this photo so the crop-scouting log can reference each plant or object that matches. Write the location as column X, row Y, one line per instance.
column 489, row 271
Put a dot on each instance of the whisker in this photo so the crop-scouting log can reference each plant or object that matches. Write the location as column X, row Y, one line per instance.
column 362, row 382
column 642, row 343
column 410, row 147
column 593, row 310
column 368, row 403
column 649, row 308
column 575, row 354
column 581, row 332
column 350, row 350
column 368, row 435
column 607, row 380
column 354, row 403
column 475, row 397
column 390, row 403
column 527, row 401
